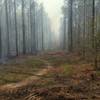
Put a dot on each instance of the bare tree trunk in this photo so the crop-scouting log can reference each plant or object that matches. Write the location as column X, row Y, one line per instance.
column 16, row 27
column 94, row 41
column 31, row 23
column 64, row 38
column 34, row 29
column 7, row 23
column 84, row 29
column 33, row 26
column 70, row 24
column 42, row 24
column 93, row 23
column 23, row 28
column 0, row 40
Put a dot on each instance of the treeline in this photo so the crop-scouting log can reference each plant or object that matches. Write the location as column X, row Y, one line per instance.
column 80, row 26
column 25, row 28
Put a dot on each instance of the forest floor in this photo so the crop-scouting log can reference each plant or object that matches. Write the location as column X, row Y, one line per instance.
column 50, row 76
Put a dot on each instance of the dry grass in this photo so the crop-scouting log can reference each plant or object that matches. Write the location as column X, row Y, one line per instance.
column 69, row 78
column 13, row 71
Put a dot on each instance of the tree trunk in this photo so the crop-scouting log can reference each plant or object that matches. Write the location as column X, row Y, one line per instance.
column 16, row 27
column 23, row 28
column 7, row 23
column 42, row 24
column 0, row 40
column 70, row 24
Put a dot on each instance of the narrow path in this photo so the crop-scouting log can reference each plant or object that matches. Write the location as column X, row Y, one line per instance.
column 28, row 82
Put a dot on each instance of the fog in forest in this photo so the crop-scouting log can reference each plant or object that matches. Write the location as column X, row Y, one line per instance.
column 54, row 10
column 49, row 49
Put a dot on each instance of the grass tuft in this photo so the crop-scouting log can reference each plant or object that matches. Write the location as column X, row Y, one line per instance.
column 67, row 70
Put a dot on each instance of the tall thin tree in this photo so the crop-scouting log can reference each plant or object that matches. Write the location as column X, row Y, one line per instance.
column 94, row 39
column 16, row 36
column 42, row 25
column 70, row 24
column 33, row 26
column 65, row 26
column 0, row 39
column 7, row 23
column 84, row 30
column 23, row 27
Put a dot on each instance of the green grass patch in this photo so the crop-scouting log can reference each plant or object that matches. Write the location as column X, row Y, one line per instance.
column 35, row 62
column 67, row 70
column 54, row 60
column 12, row 78
column 98, row 73
column 16, row 71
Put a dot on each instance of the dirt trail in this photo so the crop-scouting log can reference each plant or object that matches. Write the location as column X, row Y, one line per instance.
column 27, row 82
